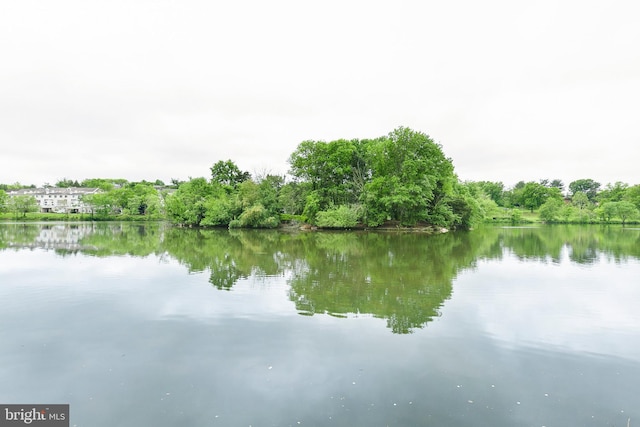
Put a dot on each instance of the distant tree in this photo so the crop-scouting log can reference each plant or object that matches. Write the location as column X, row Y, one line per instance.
column 534, row 195
column 587, row 186
column 292, row 197
column 188, row 205
column 513, row 197
column 551, row 210
column 607, row 210
column 626, row 210
column 613, row 192
column 23, row 204
column 3, row 201
column 176, row 182
column 101, row 204
column 228, row 174
column 557, row 183
column 580, row 200
column 632, row 194
column 103, row 184
column 66, row 183
column 140, row 199
column 159, row 183
column 495, row 191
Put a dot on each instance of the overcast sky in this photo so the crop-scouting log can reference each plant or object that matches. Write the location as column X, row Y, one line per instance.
column 161, row 89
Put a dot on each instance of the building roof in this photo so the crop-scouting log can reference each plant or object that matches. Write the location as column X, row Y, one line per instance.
column 53, row 191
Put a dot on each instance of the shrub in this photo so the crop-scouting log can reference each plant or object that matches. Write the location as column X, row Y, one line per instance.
column 340, row 217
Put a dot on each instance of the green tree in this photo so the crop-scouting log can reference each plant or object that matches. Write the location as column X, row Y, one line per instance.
column 550, row 211
column 292, row 197
column 494, row 190
column 188, row 205
column 587, row 186
column 103, row 184
column 66, row 183
column 335, row 170
column 632, row 194
column 613, row 193
column 101, row 204
column 228, row 174
column 626, row 210
column 534, row 195
column 3, row 201
column 608, row 210
column 557, row 183
column 23, row 204
column 410, row 180
column 140, row 199
column 580, row 200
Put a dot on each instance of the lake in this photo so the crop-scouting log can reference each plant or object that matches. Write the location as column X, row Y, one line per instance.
column 151, row 325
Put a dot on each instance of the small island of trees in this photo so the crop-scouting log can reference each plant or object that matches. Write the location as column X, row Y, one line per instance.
column 402, row 179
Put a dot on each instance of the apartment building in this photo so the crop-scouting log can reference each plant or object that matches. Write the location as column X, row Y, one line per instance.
column 58, row 200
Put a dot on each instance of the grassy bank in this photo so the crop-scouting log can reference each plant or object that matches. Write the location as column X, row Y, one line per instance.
column 37, row 216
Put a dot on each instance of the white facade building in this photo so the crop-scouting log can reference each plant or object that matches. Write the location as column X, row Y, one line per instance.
column 58, row 200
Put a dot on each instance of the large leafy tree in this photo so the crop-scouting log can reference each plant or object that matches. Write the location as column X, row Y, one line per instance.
column 533, row 195
column 625, row 211
column 410, row 180
column 403, row 176
column 228, row 174
column 188, row 205
column 587, row 186
column 335, row 170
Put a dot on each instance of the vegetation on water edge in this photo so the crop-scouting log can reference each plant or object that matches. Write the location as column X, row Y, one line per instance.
column 402, row 178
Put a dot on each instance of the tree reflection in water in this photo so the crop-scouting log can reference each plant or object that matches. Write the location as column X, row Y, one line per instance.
column 402, row 277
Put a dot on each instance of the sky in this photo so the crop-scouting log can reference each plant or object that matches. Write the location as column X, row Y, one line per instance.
column 162, row 89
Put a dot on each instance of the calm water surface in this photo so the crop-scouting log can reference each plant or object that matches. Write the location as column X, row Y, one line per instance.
column 149, row 325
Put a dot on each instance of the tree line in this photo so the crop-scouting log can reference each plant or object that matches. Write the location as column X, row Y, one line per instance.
column 401, row 179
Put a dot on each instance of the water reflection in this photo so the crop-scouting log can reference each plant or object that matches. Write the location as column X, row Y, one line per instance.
column 402, row 278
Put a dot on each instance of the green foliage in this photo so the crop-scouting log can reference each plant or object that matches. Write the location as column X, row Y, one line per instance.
column 101, row 204
column 4, row 200
column 66, row 183
column 339, row 217
column 410, row 176
column 607, row 211
column 624, row 210
column 22, row 204
column 103, row 184
column 534, row 195
column 187, row 206
column 551, row 210
column 255, row 216
column 580, row 200
column 292, row 197
column 312, row 206
column 219, row 211
column 587, row 186
column 402, row 177
column 493, row 190
column 228, row 175
column 632, row 195
column 613, row 193
column 515, row 215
